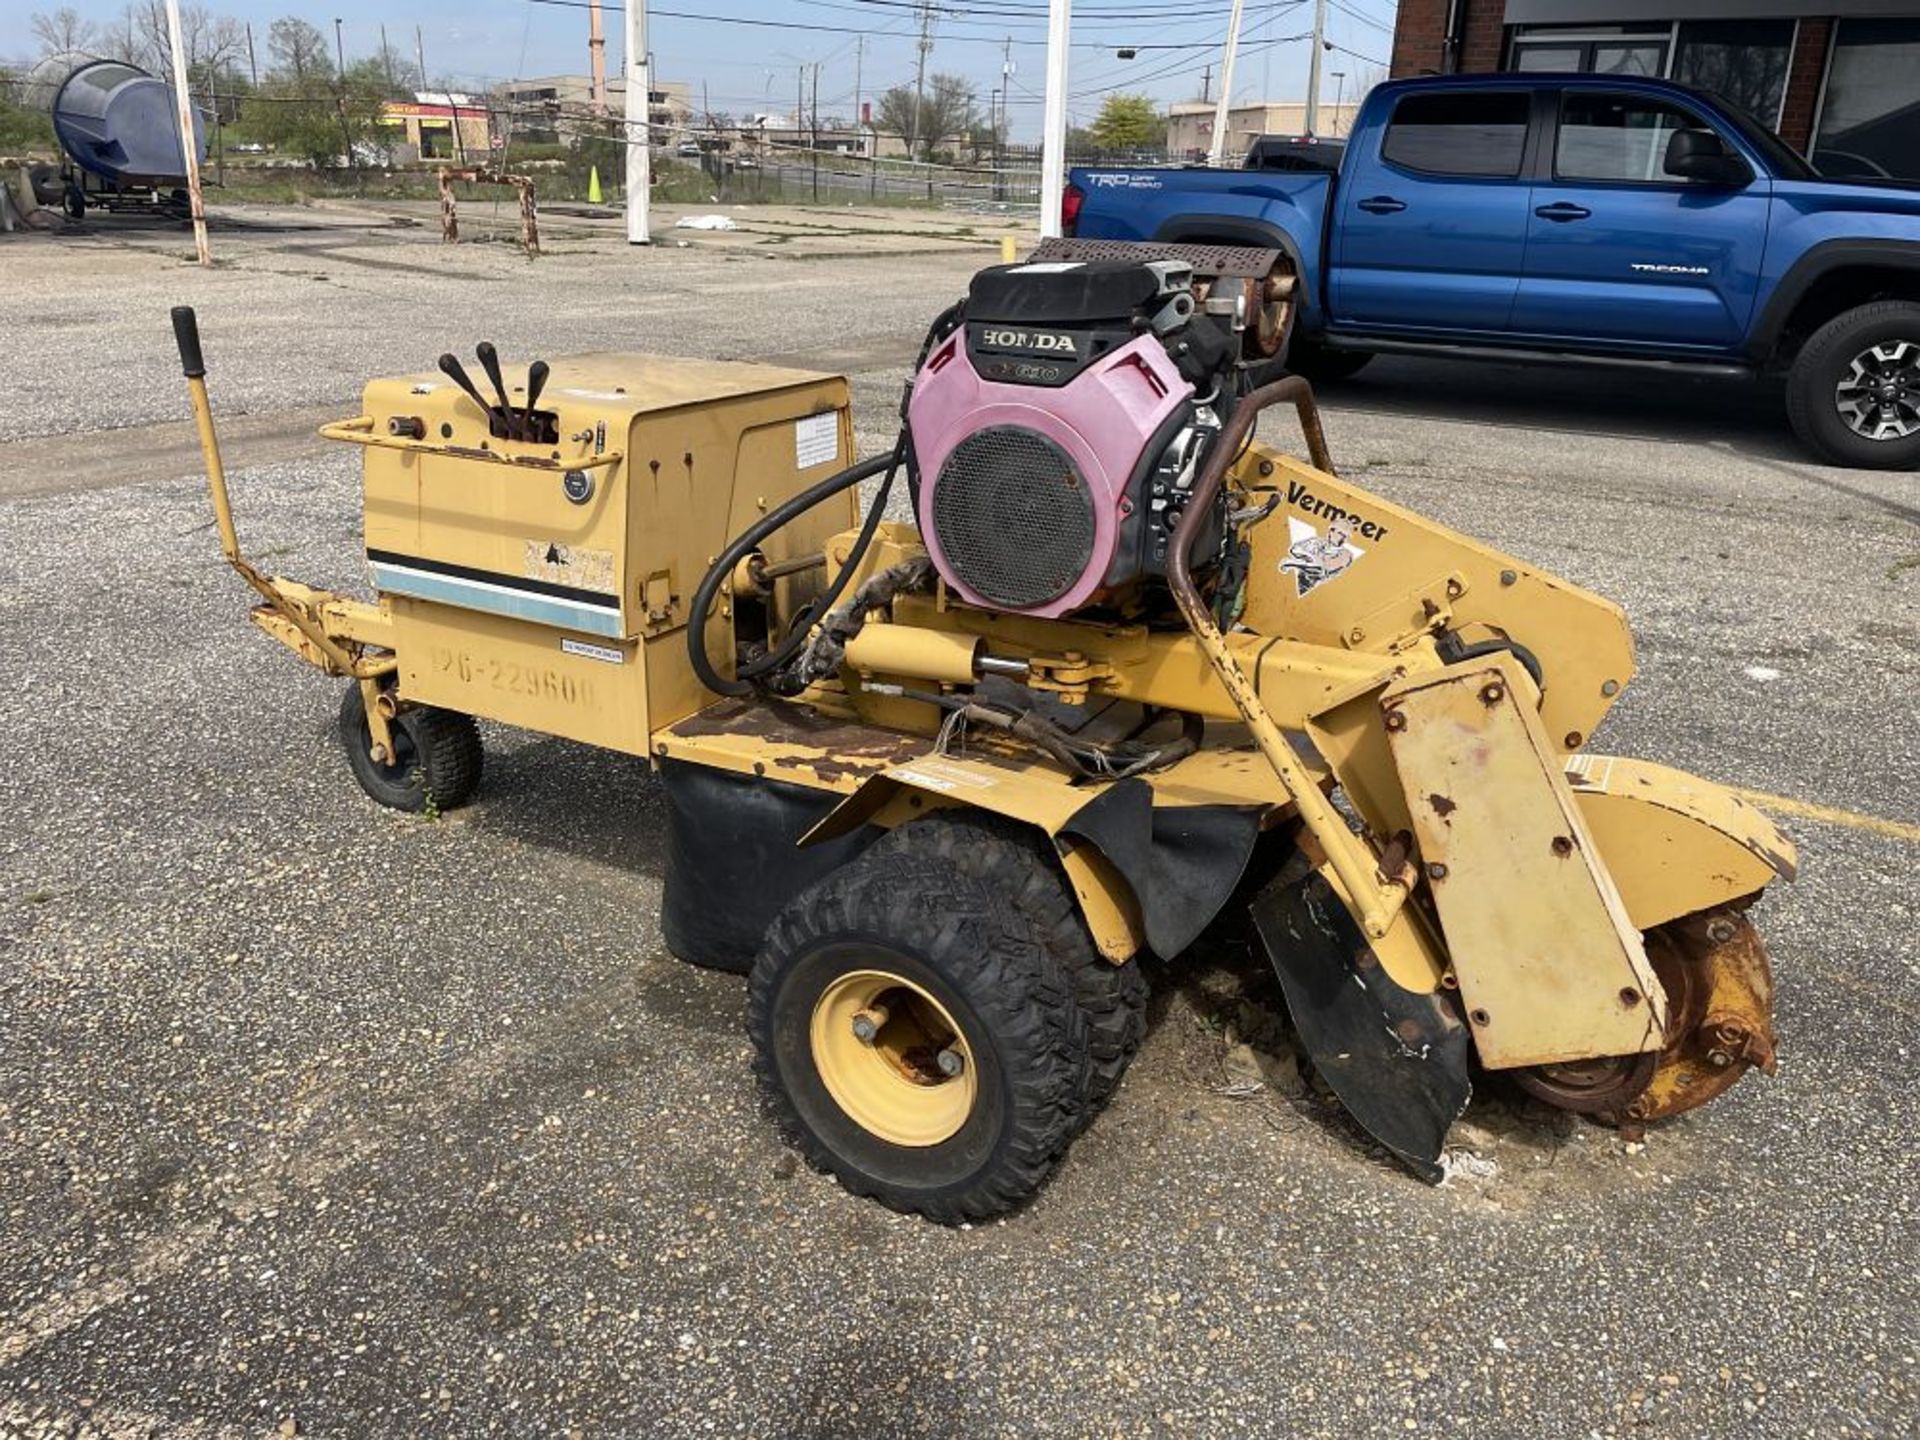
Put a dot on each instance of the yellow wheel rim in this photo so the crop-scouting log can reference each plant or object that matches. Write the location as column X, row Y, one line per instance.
column 892, row 1058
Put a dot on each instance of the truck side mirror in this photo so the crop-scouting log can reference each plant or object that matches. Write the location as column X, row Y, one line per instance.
column 1702, row 155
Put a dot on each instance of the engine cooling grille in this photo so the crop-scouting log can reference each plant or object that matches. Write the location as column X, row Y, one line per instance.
column 1013, row 517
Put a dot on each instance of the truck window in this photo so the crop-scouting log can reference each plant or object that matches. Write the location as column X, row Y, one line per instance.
column 1617, row 137
column 1471, row 134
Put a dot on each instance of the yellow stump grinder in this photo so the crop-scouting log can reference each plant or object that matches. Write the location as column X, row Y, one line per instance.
column 935, row 785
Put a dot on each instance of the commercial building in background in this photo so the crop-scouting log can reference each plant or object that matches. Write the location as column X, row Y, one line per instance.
column 436, row 125
column 1190, row 124
column 541, row 107
column 1841, row 85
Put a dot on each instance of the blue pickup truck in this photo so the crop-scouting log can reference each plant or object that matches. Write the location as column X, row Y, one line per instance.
column 1595, row 219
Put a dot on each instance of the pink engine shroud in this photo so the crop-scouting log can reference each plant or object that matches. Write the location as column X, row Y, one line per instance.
column 1103, row 418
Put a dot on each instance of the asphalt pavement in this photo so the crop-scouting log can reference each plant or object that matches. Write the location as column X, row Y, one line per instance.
column 320, row 1120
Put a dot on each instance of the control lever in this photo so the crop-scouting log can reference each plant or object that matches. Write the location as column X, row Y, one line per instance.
column 490, row 362
column 451, row 367
column 536, row 380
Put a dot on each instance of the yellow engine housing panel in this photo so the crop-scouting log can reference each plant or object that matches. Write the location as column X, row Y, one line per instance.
column 548, row 585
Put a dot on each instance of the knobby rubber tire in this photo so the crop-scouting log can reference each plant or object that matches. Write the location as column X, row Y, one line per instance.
column 979, row 956
column 1017, row 861
column 1817, row 370
column 444, row 765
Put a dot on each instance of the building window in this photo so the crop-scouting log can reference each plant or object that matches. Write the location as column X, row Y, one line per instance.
column 1870, row 118
column 1458, row 134
column 1595, row 49
column 1742, row 61
column 1616, row 137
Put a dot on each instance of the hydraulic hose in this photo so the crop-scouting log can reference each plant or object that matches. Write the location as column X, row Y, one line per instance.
column 750, row 538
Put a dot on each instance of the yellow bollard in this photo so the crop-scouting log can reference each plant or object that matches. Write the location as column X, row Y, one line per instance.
column 1006, row 250
column 593, row 185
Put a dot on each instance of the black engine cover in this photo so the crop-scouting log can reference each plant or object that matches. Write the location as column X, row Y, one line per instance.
column 1089, row 292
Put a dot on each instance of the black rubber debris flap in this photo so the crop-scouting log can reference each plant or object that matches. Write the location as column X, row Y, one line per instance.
column 1397, row 1060
column 734, row 862
column 1182, row 861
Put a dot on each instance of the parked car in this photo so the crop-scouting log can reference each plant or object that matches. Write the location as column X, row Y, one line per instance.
column 1582, row 218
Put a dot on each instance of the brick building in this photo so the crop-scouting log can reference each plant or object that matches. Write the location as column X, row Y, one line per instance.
column 1841, row 85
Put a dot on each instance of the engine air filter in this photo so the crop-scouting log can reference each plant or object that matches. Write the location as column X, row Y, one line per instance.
column 1013, row 516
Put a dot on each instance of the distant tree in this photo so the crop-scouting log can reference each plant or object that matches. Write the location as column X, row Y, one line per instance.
column 1129, row 122
column 299, row 51
column 944, row 112
column 64, row 29
column 305, row 108
column 949, row 111
column 21, row 128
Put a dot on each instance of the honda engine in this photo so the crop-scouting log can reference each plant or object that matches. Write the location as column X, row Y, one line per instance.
column 1057, row 428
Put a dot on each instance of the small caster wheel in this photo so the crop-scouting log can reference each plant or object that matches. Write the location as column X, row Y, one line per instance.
column 438, row 761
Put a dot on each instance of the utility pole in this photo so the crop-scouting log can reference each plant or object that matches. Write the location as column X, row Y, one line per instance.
column 596, row 57
column 1206, row 82
column 1053, row 126
column 859, row 118
column 386, row 56
column 639, row 139
column 340, row 88
column 1000, row 120
column 813, row 130
column 253, row 66
column 184, row 105
column 1339, row 98
column 1223, row 105
column 420, row 63
column 920, row 75
column 1313, row 66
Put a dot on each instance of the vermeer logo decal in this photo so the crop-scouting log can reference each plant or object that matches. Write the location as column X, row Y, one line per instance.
column 1314, row 558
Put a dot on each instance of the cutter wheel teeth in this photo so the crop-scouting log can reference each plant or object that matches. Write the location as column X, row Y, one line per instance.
column 1719, row 987
column 1718, row 966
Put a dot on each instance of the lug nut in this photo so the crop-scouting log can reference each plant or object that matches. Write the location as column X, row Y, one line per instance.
column 951, row 1062
column 867, row 1023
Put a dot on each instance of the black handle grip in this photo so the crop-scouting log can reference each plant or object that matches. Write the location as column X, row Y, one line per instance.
column 490, row 362
column 186, row 334
column 451, row 367
column 536, row 381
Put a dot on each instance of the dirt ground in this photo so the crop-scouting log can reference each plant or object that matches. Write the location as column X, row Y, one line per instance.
column 320, row 1120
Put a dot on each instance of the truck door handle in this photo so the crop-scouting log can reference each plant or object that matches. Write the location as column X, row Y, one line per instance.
column 1562, row 211
column 1382, row 205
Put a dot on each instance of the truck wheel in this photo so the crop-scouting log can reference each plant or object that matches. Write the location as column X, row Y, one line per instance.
column 1016, row 861
column 913, row 1038
column 439, row 757
column 1853, row 393
column 1316, row 362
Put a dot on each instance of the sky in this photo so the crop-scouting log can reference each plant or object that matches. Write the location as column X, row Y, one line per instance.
column 745, row 56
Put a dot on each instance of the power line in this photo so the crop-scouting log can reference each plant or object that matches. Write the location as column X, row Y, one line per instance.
column 867, row 30
column 1370, row 59
column 1364, row 19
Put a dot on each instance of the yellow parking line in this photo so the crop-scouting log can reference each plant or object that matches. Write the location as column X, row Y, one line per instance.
column 1852, row 819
